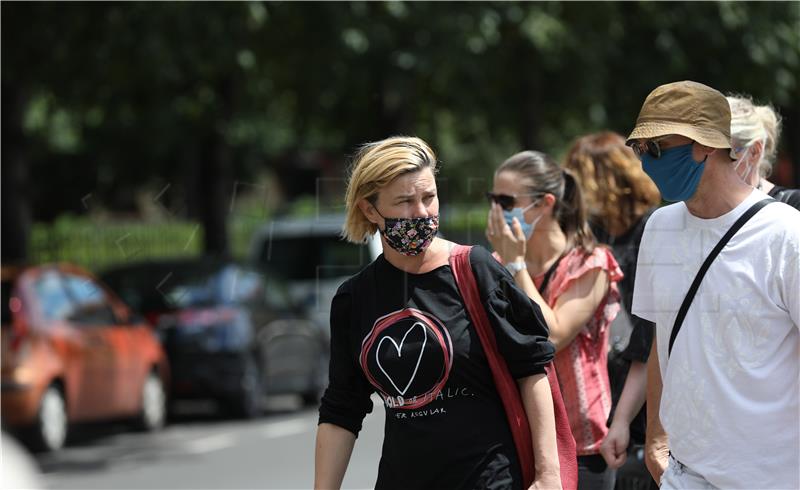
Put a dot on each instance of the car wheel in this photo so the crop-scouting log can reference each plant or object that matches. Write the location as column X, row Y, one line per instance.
column 318, row 383
column 247, row 403
column 153, row 413
column 50, row 429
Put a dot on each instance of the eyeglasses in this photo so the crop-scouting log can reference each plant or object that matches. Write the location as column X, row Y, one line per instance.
column 651, row 147
column 505, row 201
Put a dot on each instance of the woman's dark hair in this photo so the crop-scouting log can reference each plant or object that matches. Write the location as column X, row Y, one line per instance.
column 541, row 174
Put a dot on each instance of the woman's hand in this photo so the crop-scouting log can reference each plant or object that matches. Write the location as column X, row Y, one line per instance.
column 546, row 481
column 615, row 445
column 508, row 242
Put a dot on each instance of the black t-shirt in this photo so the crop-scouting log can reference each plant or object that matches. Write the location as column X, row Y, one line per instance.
column 408, row 337
column 789, row 196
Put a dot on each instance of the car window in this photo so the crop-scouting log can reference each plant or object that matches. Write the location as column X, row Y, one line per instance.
column 184, row 288
column 50, row 292
column 312, row 257
column 241, row 286
column 142, row 288
column 169, row 286
column 91, row 303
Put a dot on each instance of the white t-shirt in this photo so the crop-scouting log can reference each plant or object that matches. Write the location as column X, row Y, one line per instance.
column 731, row 398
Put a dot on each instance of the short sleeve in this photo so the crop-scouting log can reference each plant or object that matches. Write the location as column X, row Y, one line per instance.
column 641, row 340
column 347, row 399
column 519, row 326
column 575, row 265
column 642, row 305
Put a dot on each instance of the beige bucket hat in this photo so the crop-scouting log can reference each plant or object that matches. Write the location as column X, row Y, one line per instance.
column 686, row 108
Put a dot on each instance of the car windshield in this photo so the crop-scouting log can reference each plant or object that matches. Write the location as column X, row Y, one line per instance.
column 164, row 287
column 314, row 257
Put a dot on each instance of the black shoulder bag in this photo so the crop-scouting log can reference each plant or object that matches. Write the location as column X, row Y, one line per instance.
column 687, row 301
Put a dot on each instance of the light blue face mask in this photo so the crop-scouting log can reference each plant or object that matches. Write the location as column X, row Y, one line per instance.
column 676, row 173
column 519, row 213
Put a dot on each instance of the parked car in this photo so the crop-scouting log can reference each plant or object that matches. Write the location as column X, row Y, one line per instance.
column 311, row 255
column 73, row 352
column 230, row 331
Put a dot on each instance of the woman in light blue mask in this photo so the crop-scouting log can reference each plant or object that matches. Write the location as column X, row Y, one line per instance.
column 538, row 228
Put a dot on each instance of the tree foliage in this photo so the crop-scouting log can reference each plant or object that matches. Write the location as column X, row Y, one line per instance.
column 119, row 97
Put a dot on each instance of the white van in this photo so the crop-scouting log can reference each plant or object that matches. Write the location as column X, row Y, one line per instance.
column 311, row 255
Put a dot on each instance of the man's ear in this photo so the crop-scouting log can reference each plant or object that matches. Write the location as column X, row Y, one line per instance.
column 369, row 212
column 705, row 151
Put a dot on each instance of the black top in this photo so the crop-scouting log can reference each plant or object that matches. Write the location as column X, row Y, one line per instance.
column 408, row 337
column 626, row 251
column 789, row 196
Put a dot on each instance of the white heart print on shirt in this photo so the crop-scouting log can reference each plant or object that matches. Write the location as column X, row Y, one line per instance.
column 407, row 357
column 399, row 349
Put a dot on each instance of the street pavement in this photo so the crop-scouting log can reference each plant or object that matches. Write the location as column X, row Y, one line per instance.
column 203, row 450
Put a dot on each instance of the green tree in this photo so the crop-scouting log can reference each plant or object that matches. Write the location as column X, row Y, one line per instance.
column 103, row 100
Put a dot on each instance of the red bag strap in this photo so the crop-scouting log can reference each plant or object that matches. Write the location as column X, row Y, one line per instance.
column 506, row 385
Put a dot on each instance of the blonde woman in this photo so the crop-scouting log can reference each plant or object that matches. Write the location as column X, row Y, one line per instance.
column 399, row 328
column 755, row 130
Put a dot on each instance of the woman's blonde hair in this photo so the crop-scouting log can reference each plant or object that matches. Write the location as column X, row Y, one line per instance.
column 751, row 123
column 616, row 189
column 374, row 166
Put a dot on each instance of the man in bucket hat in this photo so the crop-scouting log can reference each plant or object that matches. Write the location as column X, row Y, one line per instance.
column 727, row 412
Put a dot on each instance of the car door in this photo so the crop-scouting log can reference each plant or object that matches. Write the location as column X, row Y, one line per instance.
column 105, row 345
column 54, row 307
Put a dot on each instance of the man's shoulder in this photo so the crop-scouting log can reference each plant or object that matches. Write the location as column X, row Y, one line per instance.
column 668, row 211
column 782, row 220
column 784, row 211
column 669, row 217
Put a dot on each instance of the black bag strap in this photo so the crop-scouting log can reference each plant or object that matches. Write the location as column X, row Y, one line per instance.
column 687, row 301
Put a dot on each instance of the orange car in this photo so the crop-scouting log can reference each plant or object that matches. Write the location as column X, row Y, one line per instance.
column 73, row 352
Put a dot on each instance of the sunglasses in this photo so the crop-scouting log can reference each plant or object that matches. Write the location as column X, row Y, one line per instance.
column 505, row 201
column 651, row 147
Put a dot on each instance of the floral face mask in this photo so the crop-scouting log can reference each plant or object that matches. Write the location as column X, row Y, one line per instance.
column 410, row 236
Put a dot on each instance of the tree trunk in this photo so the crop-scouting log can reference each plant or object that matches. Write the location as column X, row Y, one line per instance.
column 16, row 215
column 214, row 179
column 211, row 193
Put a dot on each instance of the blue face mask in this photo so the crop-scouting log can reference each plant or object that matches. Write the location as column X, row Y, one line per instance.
column 676, row 174
column 519, row 213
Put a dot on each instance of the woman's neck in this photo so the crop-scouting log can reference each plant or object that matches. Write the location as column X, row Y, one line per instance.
column 436, row 255
column 544, row 248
